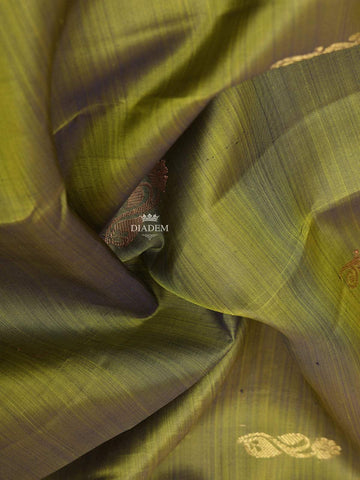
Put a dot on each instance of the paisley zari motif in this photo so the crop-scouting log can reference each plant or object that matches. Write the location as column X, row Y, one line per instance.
column 143, row 199
column 262, row 445
column 350, row 271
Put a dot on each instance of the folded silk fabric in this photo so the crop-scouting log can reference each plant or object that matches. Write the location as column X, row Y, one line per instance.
column 223, row 343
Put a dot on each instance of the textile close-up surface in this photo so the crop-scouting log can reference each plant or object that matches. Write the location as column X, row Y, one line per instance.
column 180, row 240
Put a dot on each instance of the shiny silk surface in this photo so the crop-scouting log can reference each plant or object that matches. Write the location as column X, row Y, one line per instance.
column 228, row 347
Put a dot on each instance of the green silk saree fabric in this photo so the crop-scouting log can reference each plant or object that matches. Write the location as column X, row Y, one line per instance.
column 228, row 346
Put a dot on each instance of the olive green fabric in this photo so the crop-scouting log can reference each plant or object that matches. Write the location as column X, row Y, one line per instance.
column 194, row 439
column 220, row 351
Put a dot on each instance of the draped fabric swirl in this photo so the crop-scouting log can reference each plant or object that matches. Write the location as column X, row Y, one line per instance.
column 225, row 343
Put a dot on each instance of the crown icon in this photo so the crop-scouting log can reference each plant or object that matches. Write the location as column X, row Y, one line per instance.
column 149, row 218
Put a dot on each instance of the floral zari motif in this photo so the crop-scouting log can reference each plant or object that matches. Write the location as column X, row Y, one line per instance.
column 262, row 445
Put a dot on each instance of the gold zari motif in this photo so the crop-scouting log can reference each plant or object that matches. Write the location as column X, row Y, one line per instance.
column 262, row 445
column 144, row 198
column 350, row 272
column 353, row 40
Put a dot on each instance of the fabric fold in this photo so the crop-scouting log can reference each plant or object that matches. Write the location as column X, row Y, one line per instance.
column 261, row 204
